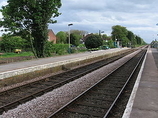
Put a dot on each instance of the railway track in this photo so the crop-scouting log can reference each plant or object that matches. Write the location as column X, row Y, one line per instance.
column 100, row 99
column 13, row 97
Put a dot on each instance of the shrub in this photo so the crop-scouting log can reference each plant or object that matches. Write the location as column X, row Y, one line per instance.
column 93, row 41
column 57, row 49
column 10, row 43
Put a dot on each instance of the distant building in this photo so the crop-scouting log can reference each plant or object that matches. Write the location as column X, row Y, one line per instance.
column 154, row 44
column 52, row 36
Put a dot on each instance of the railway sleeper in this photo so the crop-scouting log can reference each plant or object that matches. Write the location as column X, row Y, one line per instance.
column 2, row 101
column 102, row 93
column 56, row 85
column 107, row 98
column 89, row 113
column 90, row 104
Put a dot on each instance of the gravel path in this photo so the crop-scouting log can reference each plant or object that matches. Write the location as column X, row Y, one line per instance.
column 42, row 106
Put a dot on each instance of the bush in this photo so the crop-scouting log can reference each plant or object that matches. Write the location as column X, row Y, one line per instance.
column 93, row 41
column 10, row 43
column 57, row 49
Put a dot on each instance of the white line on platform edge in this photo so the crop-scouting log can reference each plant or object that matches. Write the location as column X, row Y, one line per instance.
column 130, row 103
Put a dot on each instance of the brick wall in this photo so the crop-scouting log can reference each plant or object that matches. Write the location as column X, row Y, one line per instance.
column 51, row 36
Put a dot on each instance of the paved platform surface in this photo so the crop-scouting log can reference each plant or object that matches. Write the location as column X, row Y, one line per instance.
column 145, row 103
column 36, row 62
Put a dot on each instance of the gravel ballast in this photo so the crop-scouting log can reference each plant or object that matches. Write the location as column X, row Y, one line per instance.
column 43, row 106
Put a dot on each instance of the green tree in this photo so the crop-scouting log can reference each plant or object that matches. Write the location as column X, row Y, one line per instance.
column 104, row 37
column 111, row 43
column 79, row 32
column 131, row 38
column 48, row 50
column 139, row 40
column 119, row 33
column 31, row 16
column 74, row 39
column 61, row 37
column 10, row 43
column 125, row 42
column 93, row 41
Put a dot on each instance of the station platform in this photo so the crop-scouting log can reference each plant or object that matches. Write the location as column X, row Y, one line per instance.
column 143, row 102
column 17, row 68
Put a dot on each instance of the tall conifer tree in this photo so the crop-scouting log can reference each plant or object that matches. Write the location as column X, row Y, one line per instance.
column 31, row 17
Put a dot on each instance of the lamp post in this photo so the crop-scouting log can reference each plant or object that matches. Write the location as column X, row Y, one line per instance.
column 69, row 35
column 116, row 43
column 100, row 32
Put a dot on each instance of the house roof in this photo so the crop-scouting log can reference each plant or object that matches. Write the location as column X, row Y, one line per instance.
column 50, row 30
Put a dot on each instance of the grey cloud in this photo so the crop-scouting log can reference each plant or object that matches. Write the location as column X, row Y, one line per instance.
column 92, row 15
column 82, row 5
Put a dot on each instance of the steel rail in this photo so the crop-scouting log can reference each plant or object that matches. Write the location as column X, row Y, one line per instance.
column 121, row 91
column 85, row 92
column 47, row 89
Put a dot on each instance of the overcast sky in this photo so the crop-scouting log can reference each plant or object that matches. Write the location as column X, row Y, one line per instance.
column 138, row 16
